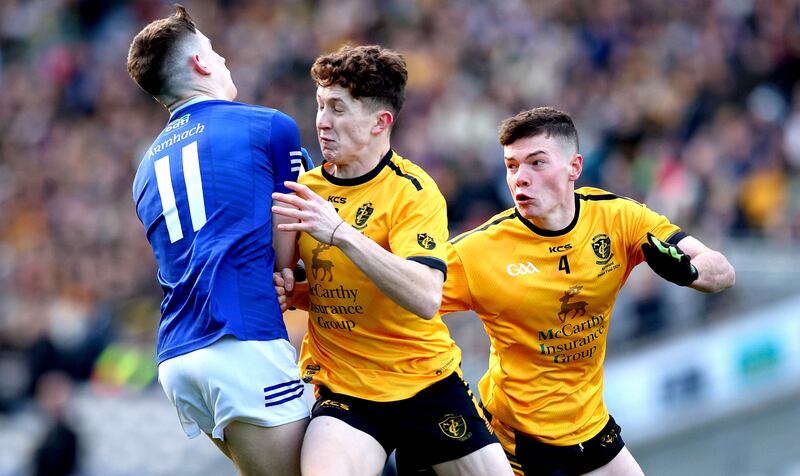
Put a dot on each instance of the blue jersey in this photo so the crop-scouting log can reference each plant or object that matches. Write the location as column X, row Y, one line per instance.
column 203, row 192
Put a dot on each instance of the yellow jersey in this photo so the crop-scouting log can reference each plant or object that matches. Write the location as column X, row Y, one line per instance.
column 545, row 299
column 360, row 342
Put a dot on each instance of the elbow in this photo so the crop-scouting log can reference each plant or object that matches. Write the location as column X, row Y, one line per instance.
column 428, row 308
column 731, row 278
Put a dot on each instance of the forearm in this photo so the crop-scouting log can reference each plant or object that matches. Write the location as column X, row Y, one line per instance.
column 283, row 242
column 413, row 286
column 715, row 273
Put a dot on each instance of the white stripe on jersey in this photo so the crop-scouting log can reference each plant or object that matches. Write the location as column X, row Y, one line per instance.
column 164, row 181
column 194, row 186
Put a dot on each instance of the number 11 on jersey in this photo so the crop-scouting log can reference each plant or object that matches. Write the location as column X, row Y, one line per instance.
column 194, row 192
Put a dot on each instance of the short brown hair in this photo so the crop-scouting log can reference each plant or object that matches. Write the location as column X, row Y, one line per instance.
column 152, row 47
column 371, row 72
column 539, row 120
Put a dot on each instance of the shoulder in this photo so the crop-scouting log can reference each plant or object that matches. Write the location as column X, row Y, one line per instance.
column 411, row 176
column 312, row 177
column 597, row 197
column 486, row 230
column 275, row 116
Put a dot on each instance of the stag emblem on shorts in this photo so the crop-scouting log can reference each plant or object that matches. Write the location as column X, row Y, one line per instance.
column 577, row 308
column 321, row 267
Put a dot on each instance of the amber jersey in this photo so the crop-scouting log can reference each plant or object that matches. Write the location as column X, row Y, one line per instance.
column 545, row 298
column 360, row 342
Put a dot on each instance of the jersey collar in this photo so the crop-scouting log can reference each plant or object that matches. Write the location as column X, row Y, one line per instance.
column 188, row 103
column 543, row 232
column 349, row 182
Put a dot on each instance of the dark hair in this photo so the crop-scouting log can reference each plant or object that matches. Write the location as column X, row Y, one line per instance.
column 539, row 120
column 152, row 46
column 370, row 72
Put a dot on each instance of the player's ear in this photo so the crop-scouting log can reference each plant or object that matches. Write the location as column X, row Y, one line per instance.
column 575, row 167
column 199, row 65
column 383, row 121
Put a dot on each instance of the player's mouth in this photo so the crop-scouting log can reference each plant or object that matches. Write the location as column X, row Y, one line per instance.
column 522, row 199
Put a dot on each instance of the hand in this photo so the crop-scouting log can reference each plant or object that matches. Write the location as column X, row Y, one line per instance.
column 292, row 294
column 283, row 281
column 316, row 216
column 669, row 262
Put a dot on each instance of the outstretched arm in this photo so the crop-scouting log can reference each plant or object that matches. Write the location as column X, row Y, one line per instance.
column 414, row 286
column 689, row 263
column 714, row 272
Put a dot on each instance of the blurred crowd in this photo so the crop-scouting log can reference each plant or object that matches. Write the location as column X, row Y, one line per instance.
column 692, row 106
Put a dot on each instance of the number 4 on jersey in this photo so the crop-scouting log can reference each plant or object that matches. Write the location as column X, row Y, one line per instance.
column 563, row 264
column 194, row 192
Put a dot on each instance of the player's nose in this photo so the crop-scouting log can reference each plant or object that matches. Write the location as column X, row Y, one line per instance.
column 522, row 179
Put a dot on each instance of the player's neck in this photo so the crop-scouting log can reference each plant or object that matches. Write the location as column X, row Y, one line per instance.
column 182, row 102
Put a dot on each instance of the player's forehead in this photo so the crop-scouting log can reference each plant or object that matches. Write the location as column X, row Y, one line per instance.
column 540, row 144
column 334, row 92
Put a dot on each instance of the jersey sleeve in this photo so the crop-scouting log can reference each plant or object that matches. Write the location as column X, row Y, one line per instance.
column 456, row 295
column 649, row 221
column 288, row 160
column 419, row 229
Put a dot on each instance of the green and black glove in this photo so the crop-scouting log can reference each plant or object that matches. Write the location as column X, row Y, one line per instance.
column 668, row 261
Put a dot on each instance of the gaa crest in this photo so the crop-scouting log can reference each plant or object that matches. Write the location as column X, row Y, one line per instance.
column 362, row 215
column 426, row 241
column 601, row 245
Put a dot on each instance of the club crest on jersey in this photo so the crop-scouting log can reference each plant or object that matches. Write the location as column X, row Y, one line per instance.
column 426, row 241
column 454, row 426
column 321, row 268
column 362, row 215
column 601, row 245
column 571, row 309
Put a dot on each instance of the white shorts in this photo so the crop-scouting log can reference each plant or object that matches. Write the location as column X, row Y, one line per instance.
column 255, row 382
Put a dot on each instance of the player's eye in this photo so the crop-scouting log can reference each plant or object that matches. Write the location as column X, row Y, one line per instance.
column 511, row 165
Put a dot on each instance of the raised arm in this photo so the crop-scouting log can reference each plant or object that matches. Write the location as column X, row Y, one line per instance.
column 412, row 285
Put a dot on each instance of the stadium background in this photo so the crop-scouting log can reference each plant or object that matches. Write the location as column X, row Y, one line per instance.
column 690, row 106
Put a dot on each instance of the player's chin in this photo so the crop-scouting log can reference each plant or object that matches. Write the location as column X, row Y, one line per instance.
column 526, row 209
column 329, row 155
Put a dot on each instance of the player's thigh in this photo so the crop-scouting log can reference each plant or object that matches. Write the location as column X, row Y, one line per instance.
column 255, row 382
column 490, row 459
column 220, row 444
column 623, row 464
column 440, row 424
column 331, row 447
column 258, row 450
